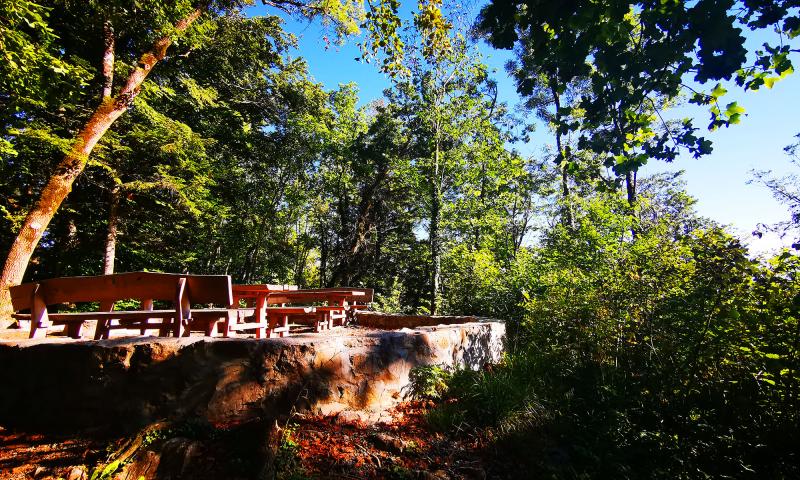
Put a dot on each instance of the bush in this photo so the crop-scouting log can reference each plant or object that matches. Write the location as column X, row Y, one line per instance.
column 646, row 348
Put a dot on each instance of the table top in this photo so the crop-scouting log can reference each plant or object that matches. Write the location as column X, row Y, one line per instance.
column 262, row 287
column 280, row 289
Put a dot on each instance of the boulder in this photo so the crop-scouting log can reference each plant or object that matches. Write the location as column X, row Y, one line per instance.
column 125, row 383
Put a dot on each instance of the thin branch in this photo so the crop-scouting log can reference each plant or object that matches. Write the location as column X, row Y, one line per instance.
column 663, row 122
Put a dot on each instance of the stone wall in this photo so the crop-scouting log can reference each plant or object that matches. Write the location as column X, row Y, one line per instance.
column 57, row 384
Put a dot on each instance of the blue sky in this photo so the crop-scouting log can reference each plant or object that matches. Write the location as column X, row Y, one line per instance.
column 719, row 181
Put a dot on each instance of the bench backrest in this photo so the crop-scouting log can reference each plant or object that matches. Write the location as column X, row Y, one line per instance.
column 136, row 285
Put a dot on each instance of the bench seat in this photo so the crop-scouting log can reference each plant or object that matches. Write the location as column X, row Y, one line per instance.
column 275, row 321
column 202, row 320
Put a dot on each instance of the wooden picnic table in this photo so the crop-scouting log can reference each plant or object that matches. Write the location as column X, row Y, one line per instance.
column 339, row 303
column 333, row 296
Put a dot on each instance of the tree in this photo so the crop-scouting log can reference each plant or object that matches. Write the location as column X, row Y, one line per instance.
column 110, row 108
column 456, row 127
column 785, row 190
column 606, row 60
column 636, row 59
column 134, row 39
column 632, row 51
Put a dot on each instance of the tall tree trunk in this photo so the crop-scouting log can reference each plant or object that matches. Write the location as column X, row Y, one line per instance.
column 60, row 183
column 630, row 186
column 562, row 161
column 111, row 232
column 109, row 41
column 436, row 205
column 323, row 256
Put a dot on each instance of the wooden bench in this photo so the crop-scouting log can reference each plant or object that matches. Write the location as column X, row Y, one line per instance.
column 341, row 303
column 271, row 322
column 278, row 305
column 181, row 290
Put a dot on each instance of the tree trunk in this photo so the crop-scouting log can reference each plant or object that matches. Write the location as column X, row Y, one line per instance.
column 109, row 41
column 433, row 234
column 60, row 183
column 323, row 256
column 630, row 186
column 111, row 233
column 562, row 162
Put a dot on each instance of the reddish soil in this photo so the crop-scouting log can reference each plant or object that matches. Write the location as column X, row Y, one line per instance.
column 403, row 448
column 26, row 456
column 312, row 447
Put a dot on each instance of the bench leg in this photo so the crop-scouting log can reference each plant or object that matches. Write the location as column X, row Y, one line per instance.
column 74, row 329
column 224, row 327
column 166, row 327
column 285, row 325
column 214, row 326
column 262, row 318
column 37, row 331
column 40, row 322
column 322, row 322
column 101, row 331
column 182, row 329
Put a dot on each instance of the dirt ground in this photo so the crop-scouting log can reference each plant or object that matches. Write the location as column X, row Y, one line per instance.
column 310, row 446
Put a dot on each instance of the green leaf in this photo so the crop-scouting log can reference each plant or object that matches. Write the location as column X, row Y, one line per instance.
column 733, row 108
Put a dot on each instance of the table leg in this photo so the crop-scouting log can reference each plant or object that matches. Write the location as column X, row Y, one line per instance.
column 261, row 316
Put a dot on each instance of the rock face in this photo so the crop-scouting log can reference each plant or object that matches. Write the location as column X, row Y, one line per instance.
column 56, row 384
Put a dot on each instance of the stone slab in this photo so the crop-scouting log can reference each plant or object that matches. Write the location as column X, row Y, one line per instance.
column 63, row 384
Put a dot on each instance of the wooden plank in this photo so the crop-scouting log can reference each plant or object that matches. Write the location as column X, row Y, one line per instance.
column 333, row 308
column 40, row 321
column 249, row 326
column 182, row 310
column 289, row 310
column 67, row 317
column 212, row 312
column 215, row 289
column 307, row 296
column 22, row 296
column 157, row 286
column 148, row 285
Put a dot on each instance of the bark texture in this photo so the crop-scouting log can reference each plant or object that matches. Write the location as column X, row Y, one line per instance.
column 60, row 183
column 433, row 234
column 111, row 233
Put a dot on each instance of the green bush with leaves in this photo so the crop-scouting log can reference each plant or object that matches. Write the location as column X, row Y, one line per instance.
column 649, row 346
column 428, row 381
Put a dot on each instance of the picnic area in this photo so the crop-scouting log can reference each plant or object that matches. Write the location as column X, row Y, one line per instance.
column 196, row 303
column 431, row 240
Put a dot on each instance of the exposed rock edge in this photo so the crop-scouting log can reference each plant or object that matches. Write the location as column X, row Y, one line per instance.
column 59, row 384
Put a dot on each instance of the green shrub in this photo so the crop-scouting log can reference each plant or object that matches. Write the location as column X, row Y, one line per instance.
column 648, row 346
column 428, row 381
